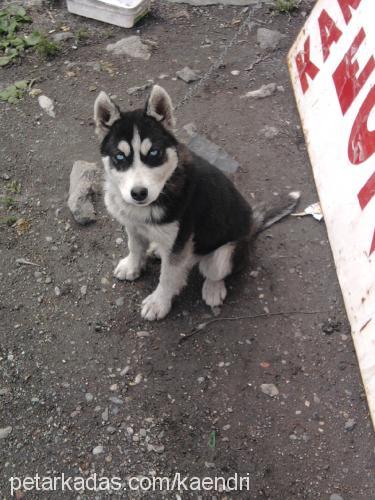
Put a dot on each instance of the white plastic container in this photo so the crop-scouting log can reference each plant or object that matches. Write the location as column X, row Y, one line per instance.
column 124, row 13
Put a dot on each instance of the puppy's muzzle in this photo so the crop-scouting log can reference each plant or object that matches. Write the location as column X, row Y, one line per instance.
column 139, row 194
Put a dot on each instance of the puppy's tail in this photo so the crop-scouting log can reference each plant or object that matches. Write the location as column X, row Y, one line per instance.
column 264, row 217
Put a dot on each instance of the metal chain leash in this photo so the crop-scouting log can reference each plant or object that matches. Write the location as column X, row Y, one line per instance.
column 220, row 61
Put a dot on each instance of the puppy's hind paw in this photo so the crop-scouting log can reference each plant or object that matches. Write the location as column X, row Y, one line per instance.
column 153, row 251
column 155, row 307
column 126, row 270
column 214, row 292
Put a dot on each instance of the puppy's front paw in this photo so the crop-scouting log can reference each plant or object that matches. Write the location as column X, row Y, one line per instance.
column 126, row 270
column 155, row 307
column 214, row 292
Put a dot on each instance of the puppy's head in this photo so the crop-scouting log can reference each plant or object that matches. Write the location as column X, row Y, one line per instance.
column 139, row 151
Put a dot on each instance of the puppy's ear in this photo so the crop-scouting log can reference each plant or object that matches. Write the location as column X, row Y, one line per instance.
column 106, row 112
column 160, row 107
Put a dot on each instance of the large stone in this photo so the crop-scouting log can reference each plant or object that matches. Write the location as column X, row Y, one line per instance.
column 130, row 46
column 212, row 153
column 269, row 39
column 84, row 184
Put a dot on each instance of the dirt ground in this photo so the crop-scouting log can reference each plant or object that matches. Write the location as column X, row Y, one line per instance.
column 80, row 369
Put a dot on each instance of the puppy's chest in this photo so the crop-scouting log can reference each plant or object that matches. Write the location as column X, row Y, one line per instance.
column 164, row 235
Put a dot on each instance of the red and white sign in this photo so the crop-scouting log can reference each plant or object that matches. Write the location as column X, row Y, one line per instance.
column 332, row 66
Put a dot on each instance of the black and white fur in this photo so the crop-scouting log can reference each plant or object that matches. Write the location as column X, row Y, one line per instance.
column 171, row 199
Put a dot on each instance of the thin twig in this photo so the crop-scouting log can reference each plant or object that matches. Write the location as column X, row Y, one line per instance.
column 27, row 263
column 204, row 325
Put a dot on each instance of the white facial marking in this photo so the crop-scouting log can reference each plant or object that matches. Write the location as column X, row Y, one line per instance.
column 139, row 175
column 124, row 147
column 146, row 146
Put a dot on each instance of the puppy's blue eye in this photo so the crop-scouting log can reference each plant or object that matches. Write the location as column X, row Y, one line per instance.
column 120, row 157
column 154, row 152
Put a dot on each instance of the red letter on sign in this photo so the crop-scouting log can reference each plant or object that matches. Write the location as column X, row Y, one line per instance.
column 305, row 66
column 367, row 192
column 329, row 32
column 345, row 8
column 362, row 142
column 372, row 249
column 347, row 84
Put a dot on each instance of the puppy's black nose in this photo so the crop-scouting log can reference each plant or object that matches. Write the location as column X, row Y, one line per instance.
column 139, row 193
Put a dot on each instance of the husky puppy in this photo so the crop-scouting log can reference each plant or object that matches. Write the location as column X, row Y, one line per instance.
column 170, row 198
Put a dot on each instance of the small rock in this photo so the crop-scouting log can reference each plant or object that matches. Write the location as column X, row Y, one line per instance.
column 190, row 129
column 4, row 392
column 111, row 429
column 264, row 91
column 143, row 334
column 84, row 184
column 182, row 13
column 48, row 280
column 105, row 415
column 62, row 37
column 269, row 389
column 57, row 291
column 89, row 397
column 157, row 448
column 350, row 424
column 141, row 88
column 330, row 326
column 47, row 105
column 4, row 432
column 188, row 75
column 115, row 400
column 125, row 371
column 269, row 39
column 137, row 380
column 33, row 3
column 120, row 301
column 235, row 72
column 269, row 132
column 119, row 241
column 96, row 66
column 83, row 290
column 114, row 387
column 335, row 496
column 130, row 46
column 98, row 450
